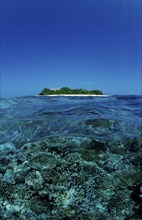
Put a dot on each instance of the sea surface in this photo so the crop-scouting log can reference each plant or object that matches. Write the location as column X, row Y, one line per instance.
column 71, row 158
column 31, row 118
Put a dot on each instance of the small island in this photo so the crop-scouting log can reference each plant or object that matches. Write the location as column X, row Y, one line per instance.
column 66, row 91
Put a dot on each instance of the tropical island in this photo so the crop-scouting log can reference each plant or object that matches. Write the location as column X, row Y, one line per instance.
column 67, row 91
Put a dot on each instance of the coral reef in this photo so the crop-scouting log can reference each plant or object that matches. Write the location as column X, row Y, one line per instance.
column 73, row 178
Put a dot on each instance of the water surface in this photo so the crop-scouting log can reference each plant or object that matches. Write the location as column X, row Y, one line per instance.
column 26, row 119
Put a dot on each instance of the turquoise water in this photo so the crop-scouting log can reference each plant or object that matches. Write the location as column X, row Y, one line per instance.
column 71, row 158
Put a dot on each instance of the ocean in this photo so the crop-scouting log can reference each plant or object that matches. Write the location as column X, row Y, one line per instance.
column 71, row 158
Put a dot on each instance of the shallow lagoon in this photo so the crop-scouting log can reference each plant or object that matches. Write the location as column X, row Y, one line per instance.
column 71, row 157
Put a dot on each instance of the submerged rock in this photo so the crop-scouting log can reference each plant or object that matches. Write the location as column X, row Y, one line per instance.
column 98, row 122
column 6, row 148
column 43, row 160
column 104, row 126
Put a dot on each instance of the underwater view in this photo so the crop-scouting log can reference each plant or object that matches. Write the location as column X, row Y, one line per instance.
column 71, row 158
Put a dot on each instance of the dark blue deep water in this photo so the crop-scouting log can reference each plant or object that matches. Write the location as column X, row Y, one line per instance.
column 71, row 158
column 26, row 119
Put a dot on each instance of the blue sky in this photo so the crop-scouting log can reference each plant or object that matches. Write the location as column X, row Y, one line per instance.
column 80, row 44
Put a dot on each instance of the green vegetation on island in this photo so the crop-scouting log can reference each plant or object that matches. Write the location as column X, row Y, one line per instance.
column 68, row 91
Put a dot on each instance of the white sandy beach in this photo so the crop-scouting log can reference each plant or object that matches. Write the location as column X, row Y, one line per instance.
column 84, row 95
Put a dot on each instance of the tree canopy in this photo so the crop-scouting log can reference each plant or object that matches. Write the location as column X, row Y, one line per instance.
column 67, row 90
